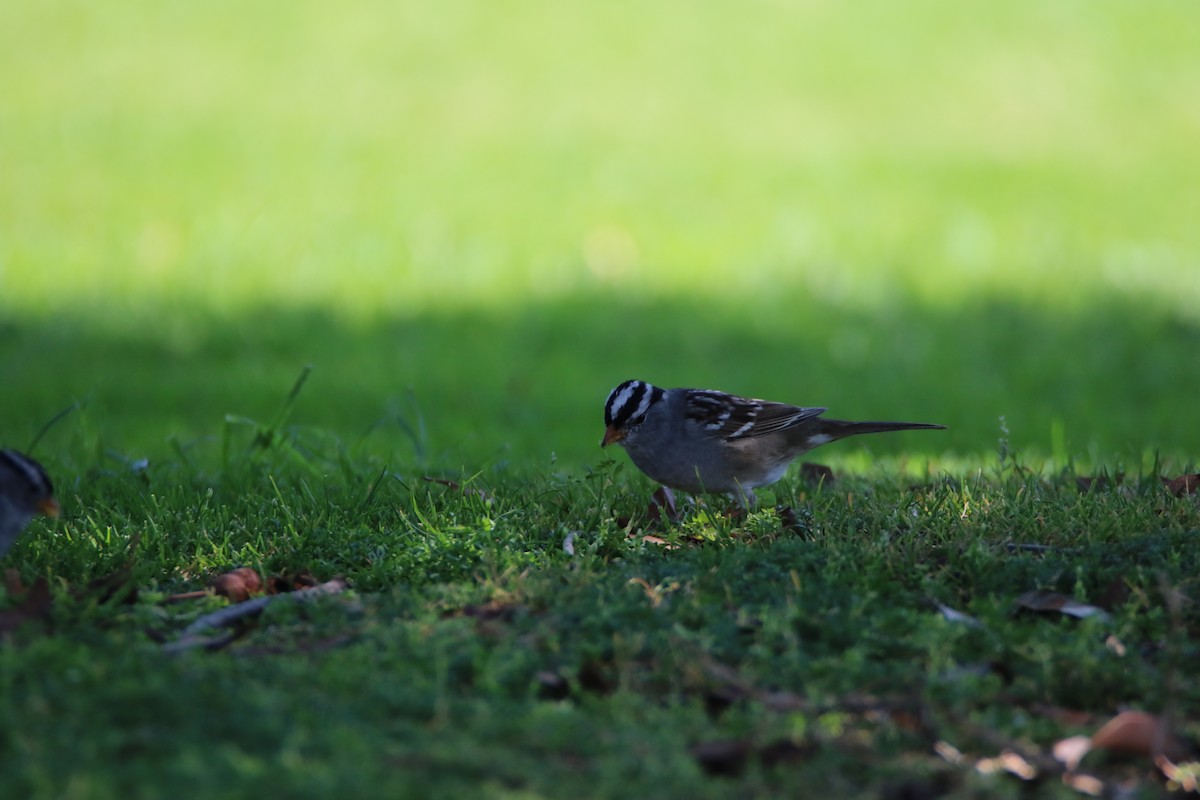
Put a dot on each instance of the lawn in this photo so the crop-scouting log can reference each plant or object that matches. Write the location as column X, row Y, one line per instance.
column 464, row 223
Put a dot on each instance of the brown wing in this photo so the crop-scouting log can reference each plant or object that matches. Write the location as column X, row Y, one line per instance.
column 733, row 417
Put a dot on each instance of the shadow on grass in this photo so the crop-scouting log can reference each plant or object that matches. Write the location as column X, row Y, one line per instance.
column 526, row 384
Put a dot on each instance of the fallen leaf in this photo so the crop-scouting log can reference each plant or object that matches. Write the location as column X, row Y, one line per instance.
column 1180, row 777
column 1137, row 733
column 1184, row 484
column 1070, row 751
column 1045, row 601
column 238, row 585
column 949, row 752
column 655, row 593
column 951, row 615
column 652, row 539
column 1085, row 784
column 568, row 544
column 1009, row 762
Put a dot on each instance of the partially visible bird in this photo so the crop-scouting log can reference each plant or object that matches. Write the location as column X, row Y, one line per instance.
column 698, row 440
column 25, row 492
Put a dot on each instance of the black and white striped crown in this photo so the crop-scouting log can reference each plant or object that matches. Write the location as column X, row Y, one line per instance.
column 28, row 470
column 629, row 402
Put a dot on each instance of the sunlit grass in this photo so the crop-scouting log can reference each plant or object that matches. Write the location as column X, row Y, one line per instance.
column 383, row 157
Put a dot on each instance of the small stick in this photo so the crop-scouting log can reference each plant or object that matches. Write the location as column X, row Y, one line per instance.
column 227, row 616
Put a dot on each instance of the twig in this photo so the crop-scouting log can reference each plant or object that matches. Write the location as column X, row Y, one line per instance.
column 227, row 616
column 205, row 642
column 176, row 598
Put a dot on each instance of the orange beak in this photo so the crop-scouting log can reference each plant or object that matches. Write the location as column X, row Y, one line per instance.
column 49, row 507
column 611, row 436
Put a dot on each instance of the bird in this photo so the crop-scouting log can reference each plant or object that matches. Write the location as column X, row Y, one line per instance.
column 705, row 441
column 25, row 492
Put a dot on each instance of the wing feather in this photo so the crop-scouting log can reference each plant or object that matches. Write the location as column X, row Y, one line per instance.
column 732, row 417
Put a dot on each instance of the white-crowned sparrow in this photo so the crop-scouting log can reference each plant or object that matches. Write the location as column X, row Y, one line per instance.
column 25, row 492
column 698, row 440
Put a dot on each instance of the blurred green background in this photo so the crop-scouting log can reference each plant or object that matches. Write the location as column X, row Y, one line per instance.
column 489, row 213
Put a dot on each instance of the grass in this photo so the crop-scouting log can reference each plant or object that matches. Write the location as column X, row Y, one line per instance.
column 478, row 658
column 472, row 221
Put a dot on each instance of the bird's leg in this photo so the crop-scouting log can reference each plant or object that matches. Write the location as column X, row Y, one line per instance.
column 664, row 500
column 745, row 498
column 744, row 501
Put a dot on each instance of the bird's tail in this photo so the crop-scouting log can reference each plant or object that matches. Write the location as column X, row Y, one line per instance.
column 840, row 429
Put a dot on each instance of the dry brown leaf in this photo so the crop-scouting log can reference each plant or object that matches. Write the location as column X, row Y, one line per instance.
column 1046, row 601
column 649, row 538
column 1010, row 762
column 949, row 752
column 238, row 585
column 1085, row 784
column 1136, row 733
column 1115, row 645
column 655, row 593
column 1180, row 777
column 1184, row 484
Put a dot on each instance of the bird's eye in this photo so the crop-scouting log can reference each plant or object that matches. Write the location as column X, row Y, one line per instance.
column 638, row 420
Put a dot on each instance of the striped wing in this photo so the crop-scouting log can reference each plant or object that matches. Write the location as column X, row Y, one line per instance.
column 731, row 417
